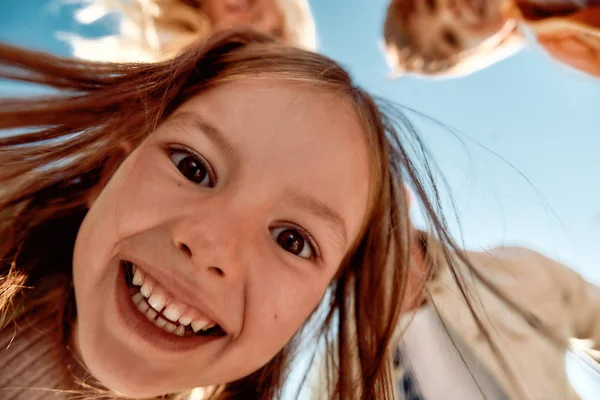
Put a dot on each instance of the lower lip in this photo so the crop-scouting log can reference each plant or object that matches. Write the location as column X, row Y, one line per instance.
column 146, row 330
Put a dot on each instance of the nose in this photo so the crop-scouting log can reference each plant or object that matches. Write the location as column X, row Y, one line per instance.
column 211, row 246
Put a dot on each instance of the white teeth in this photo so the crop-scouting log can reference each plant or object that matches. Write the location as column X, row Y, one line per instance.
column 143, row 307
column 137, row 298
column 209, row 326
column 151, row 300
column 199, row 325
column 146, row 289
column 169, row 327
column 157, row 301
column 151, row 314
column 138, row 277
column 180, row 331
column 185, row 320
column 172, row 312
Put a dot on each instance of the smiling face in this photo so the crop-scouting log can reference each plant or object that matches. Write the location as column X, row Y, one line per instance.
column 236, row 213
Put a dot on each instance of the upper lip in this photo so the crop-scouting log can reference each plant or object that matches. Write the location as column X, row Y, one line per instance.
column 175, row 287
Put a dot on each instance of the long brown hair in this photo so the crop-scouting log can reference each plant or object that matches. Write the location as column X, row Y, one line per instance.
column 61, row 148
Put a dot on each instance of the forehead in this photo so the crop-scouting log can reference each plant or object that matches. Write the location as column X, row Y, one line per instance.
column 292, row 137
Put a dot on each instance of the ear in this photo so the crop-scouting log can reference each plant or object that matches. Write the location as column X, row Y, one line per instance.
column 110, row 167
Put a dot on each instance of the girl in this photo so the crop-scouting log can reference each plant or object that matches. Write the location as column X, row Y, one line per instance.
column 175, row 225
column 159, row 29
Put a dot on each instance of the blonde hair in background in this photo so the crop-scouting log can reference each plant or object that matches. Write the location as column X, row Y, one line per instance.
column 154, row 30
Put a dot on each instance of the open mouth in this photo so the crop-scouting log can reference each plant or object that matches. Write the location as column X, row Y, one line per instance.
column 163, row 309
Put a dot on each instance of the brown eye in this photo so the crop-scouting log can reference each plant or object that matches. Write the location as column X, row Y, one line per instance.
column 293, row 241
column 192, row 167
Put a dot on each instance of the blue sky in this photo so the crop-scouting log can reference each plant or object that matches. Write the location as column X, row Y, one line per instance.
column 524, row 166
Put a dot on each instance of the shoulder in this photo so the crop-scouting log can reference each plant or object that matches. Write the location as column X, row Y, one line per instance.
column 523, row 267
column 511, row 258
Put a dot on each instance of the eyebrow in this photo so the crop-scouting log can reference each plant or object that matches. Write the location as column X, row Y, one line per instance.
column 213, row 133
column 324, row 211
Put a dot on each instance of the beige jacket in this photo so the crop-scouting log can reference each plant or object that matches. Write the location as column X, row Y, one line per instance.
column 553, row 293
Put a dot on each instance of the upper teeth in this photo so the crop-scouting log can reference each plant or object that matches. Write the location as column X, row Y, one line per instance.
column 156, row 300
column 138, row 279
column 146, row 289
column 173, row 312
column 201, row 325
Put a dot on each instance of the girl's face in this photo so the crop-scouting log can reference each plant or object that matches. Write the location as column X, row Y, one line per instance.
column 440, row 29
column 232, row 217
column 262, row 15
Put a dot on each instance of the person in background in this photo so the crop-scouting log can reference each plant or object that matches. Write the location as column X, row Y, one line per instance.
column 442, row 353
column 569, row 30
column 153, row 30
column 448, row 38
column 511, row 344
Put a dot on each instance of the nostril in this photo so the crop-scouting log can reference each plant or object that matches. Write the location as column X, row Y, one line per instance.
column 217, row 271
column 184, row 247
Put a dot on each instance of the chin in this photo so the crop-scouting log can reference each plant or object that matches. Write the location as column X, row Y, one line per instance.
column 130, row 386
column 120, row 373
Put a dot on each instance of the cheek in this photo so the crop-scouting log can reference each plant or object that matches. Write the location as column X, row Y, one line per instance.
column 128, row 204
column 141, row 194
column 292, row 300
column 278, row 305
